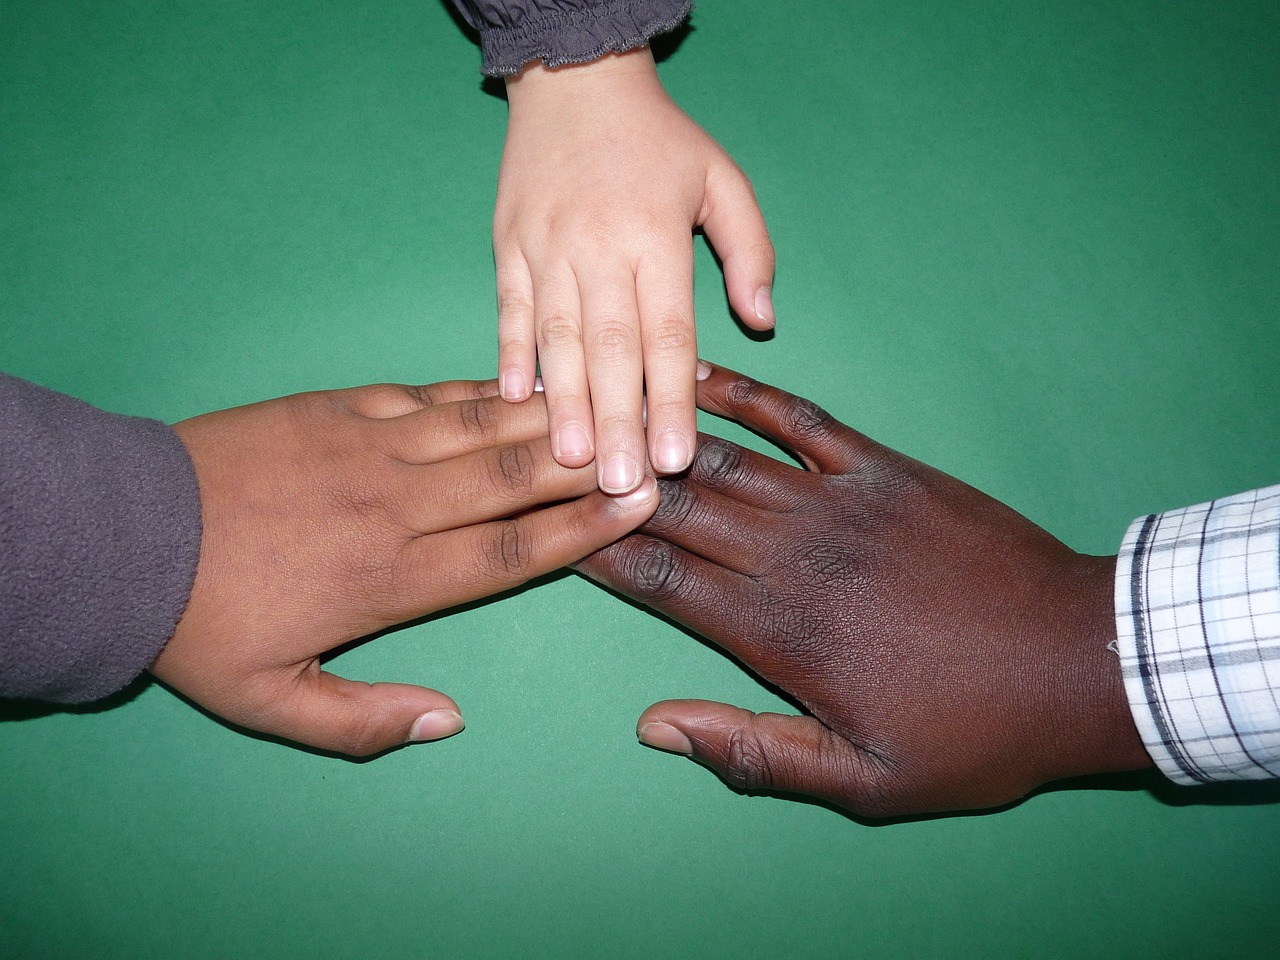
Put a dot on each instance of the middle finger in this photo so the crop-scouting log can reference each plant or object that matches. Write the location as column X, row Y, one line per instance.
column 488, row 485
column 611, row 334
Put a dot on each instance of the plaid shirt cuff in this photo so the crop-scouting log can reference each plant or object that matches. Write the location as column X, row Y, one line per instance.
column 1198, row 622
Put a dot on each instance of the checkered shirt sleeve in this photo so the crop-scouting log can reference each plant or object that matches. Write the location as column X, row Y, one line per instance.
column 1198, row 621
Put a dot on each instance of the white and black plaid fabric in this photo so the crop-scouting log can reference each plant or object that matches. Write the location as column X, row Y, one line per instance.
column 1198, row 616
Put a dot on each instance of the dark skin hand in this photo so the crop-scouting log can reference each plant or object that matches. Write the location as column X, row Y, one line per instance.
column 949, row 653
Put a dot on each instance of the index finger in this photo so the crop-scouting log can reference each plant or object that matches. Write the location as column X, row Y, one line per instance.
column 824, row 444
column 708, row 598
column 469, row 563
column 385, row 401
column 448, row 430
column 664, row 292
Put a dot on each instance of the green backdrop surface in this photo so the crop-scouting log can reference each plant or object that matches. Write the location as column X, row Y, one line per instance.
column 1035, row 244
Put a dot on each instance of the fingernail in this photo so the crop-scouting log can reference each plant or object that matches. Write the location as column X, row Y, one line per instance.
column 537, row 385
column 620, row 475
column 435, row 725
column 673, row 453
column 573, row 441
column 665, row 737
column 764, row 305
column 513, row 385
column 704, row 370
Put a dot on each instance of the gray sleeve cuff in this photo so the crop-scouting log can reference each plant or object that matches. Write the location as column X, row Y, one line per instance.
column 99, row 539
column 559, row 32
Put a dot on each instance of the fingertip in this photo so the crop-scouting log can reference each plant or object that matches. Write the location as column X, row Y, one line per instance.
column 620, row 475
column 363, row 719
column 673, row 453
column 764, row 308
column 572, row 447
column 713, row 383
column 753, row 305
column 513, row 385
column 736, row 228
column 663, row 736
column 436, row 724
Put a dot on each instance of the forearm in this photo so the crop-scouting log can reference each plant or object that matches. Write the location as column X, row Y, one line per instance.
column 516, row 32
column 99, row 537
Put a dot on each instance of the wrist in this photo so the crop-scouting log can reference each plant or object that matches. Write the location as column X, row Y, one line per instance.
column 1085, row 711
column 630, row 69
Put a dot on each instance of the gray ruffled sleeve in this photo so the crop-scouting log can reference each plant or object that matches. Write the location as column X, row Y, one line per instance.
column 99, row 538
column 514, row 32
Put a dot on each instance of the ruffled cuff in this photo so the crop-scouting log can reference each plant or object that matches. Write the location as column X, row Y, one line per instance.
column 560, row 32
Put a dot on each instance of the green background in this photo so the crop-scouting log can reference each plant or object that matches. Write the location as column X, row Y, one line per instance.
column 1035, row 244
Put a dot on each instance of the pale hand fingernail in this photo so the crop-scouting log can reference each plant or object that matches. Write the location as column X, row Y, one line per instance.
column 620, row 475
column 665, row 737
column 764, row 305
column 537, row 385
column 435, row 725
column 573, row 441
column 704, row 370
column 673, row 453
column 513, row 385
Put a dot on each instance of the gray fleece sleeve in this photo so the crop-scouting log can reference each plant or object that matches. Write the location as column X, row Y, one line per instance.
column 514, row 32
column 99, row 538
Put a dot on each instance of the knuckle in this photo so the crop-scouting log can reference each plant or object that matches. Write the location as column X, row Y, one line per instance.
column 475, row 418
column 743, row 392
column 672, row 335
column 612, row 339
column 891, row 476
column 559, row 332
column 363, row 735
column 514, row 305
column 514, row 344
column 762, row 251
column 719, row 462
column 805, row 419
column 661, row 411
column 823, row 563
column 618, row 426
column 512, row 470
column 509, row 550
column 746, row 761
column 733, row 182
column 868, row 787
column 600, row 230
column 655, row 572
column 310, row 410
column 423, row 396
column 677, row 504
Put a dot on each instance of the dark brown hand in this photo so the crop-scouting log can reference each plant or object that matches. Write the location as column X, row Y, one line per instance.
column 950, row 653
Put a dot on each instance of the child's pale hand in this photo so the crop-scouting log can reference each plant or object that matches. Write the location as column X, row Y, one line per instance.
column 603, row 180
